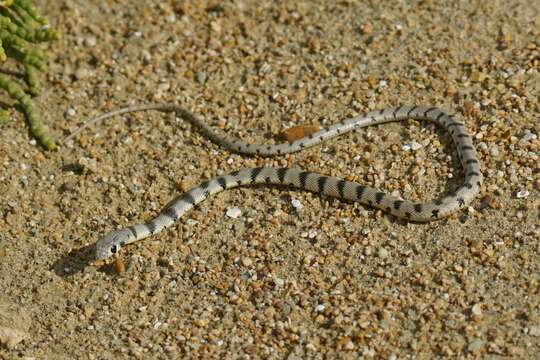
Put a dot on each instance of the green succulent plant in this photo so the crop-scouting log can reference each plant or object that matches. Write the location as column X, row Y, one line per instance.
column 21, row 27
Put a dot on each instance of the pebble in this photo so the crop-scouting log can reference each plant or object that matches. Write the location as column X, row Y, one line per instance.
column 14, row 325
column 234, row 212
column 529, row 137
column 90, row 41
column 477, row 309
column 534, row 330
column 297, row 132
column 383, row 253
column 412, row 146
column 70, row 112
column 475, row 345
column 88, row 164
column 522, row 194
column 279, row 282
column 296, row 204
column 201, row 77
column 82, row 73
column 119, row 266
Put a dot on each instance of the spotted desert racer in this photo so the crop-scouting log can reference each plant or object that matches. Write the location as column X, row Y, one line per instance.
column 111, row 243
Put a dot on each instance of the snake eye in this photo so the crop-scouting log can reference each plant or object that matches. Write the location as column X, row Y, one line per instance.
column 113, row 249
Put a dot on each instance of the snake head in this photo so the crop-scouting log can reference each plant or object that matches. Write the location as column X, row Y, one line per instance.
column 111, row 243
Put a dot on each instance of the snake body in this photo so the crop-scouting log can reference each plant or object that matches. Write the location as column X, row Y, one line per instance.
column 111, row 243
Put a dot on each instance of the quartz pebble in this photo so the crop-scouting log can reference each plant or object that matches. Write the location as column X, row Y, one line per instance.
column 477, row 309
column 412, row 146
column 522, row 194
column 234, row 212
column 296, row 204
column 383, row 253
column 534, row 330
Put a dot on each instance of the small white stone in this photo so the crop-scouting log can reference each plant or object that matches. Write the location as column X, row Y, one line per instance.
column 312, row 234
column 147, row 57
column 234, row 212
column 477, row 309
column 296, row 204
column 383, row 253
column 70, row 112
column 382, row 83
column 475, row 345
column 247, row 261
column 82, row 73
column 279, row 282
column 529, row 137
column 534, row 330
column 368, row 352
column 90, row 41
column 320, row 307
column 412, row 146
column 522, row 194
column 163, row 87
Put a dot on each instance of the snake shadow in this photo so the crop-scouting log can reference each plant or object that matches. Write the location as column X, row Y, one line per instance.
column 77, row 260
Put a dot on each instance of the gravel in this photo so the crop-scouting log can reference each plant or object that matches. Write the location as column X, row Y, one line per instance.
column 275, row 282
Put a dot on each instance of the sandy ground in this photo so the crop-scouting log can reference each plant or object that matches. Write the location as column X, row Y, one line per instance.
column 332, row 279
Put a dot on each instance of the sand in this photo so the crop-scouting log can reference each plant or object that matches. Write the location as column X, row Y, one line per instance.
column 293, row 274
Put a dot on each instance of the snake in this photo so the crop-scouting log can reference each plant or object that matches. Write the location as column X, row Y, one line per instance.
column 112, row 242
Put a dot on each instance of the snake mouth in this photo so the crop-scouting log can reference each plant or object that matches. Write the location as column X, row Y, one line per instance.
column 100, row 254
